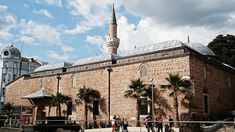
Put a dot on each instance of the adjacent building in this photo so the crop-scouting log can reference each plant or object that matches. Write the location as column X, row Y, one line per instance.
column 110, row 73
column 12, row 66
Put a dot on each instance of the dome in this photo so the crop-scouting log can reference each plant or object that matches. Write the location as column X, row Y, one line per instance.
column 198, row 47
column 52, row 66
column 97, row 58
column 10, row 51
column 202, row 49
column 156, row 47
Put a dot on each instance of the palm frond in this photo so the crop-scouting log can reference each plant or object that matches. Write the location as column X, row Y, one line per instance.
column 103, row 105
column 87, row 95
column 128, row 93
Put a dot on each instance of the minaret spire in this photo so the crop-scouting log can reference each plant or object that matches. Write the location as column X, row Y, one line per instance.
column 113, row 21
column 112, row 41
column 188, row 39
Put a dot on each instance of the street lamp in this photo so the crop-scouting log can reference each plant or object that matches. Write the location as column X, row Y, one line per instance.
column 58, row 83
column 57, row 92
column 109, row 69
column 152, row 97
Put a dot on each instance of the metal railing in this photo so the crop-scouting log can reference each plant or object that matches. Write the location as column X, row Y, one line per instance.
column 106, row 125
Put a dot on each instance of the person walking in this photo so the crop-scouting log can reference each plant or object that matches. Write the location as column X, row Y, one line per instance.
column 159, row 125
column 149, row 123
column 114, row 123
column 118, row 124
column 171, row 123
column 125, row 125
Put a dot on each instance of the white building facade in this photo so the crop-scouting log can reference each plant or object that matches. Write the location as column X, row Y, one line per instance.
column 12, row 65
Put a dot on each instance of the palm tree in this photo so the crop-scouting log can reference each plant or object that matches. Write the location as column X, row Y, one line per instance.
column 86, row 96
column 58, row 100
column 137, row 89
column 7, row 109
column 178, row 85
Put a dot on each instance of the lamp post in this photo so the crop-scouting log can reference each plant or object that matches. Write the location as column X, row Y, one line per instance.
column 109, row 69
column 57, row 92
column 152, row 103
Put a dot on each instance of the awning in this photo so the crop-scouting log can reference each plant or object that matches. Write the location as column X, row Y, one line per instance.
column 38, row 94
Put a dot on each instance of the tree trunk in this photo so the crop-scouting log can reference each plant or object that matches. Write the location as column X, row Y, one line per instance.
column 138, row 112
column 177, row 110
column 86, row 111
column 49, row 110
column 59, row 110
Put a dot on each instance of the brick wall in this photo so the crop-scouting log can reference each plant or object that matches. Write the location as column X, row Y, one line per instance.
column 120, row 77
column 212, row 79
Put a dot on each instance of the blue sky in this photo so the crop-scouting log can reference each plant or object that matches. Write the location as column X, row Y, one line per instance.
column 66, row 30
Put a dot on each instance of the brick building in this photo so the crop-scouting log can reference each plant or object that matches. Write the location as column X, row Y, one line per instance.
column 213, row 81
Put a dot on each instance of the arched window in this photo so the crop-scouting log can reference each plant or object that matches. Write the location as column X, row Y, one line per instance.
column 143, row 71
column 205, row 103
column 74, row 81
column 41, row 83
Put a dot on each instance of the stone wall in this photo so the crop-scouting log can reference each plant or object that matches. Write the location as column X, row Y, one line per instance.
column 216, row 81
column 120, row 77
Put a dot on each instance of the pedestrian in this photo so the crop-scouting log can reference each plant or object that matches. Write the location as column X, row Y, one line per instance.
column 171, row 123
column 148, row 123
column 159, row 125
column 114, row 123
column 125, row 125
column 117, row 124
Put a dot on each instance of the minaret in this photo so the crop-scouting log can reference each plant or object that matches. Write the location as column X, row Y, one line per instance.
column 112, row 41
column 188, row 39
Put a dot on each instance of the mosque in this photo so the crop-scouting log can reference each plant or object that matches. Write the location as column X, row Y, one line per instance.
column 111, row 74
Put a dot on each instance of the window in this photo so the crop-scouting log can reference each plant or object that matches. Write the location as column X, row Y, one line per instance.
column 15, row 68
column 14, row 76
column 229, row 81
column 41, row 83
column 205, row 103
column 74, row 81
column 9, row 77
column 6, row 53
column 4, row 78
column 5, row 70
column 143, row 106
column 144, row 71
column 205, row 72
column 96, row 107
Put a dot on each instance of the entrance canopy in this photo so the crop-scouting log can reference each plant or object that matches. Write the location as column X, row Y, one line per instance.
column 38, row 94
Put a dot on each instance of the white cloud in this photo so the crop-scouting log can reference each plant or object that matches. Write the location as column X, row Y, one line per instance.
column 67, row 48
column 97, row 40
column 51, row 2
column 92, row 13
column 77, row 29
column 41, row 33
column 5, row 35
column 26, row 5
column 43, row 12
column 57, row 56
column 146, row 32
column 7, row 21
column 27, row 39
column 210, row 14
column 132, row 35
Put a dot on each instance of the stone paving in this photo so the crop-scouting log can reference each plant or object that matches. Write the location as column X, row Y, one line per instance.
column 130, row 129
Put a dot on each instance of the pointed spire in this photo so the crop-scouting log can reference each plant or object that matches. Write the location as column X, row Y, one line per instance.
column 113, row 21
column 112, row 42
column 188, row 39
